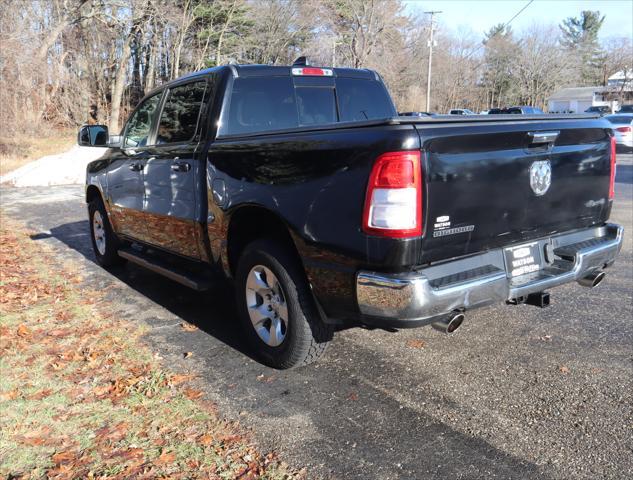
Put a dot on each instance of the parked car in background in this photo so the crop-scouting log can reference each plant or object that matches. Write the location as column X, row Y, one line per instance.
column 523, row 110
column 483, row 112
column 461, row 111
column 602, row 110
column 626, row 109
column 415, row 114
column 623, row 130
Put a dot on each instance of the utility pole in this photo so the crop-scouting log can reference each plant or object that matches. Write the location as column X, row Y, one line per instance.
column 430, row 43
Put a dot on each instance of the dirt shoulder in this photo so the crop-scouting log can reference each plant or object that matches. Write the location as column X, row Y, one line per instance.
column 83, row 397
column 19, row 150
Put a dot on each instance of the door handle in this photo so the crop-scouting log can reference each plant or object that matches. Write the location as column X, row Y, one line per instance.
column 136, row 167
column 180, row 167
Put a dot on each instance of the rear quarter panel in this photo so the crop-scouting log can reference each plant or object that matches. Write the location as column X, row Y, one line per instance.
column 316, row 183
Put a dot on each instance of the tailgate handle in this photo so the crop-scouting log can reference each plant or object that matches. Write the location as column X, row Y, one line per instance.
column 542, row 137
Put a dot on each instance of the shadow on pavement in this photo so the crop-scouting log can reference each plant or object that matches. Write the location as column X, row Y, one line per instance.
column 372, row 436
column 209, row 311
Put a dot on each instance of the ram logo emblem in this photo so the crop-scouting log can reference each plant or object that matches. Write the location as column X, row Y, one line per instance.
column 540, row 177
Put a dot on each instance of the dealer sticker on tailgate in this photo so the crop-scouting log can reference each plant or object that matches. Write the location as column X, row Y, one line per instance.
column 523, row 259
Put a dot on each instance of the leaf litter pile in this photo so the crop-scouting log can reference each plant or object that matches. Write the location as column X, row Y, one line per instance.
column 82, row 397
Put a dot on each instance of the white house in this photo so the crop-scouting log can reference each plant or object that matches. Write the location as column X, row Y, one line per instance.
column 621, row 78
column 618, row 92
column 576, row 99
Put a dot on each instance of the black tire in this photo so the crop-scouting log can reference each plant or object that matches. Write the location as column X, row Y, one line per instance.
column 109, row 256
column 306, row 336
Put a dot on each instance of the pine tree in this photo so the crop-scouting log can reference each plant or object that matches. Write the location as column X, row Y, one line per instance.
column 580, row 39
column 225, row 26
column 498, row 58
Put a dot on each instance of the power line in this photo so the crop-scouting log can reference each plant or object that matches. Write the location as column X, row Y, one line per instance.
column 432, row 13
column 518, row 13
column 504, row 26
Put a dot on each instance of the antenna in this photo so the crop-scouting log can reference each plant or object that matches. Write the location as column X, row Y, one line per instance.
column 301, row 62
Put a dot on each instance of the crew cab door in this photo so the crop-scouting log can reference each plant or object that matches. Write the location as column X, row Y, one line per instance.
column 125, row 175
column 171, row 207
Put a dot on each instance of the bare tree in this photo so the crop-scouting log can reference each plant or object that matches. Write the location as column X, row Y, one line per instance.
column 540, row 65
column 66, row 62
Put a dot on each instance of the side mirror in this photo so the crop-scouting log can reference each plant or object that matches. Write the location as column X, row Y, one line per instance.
column 93, row 136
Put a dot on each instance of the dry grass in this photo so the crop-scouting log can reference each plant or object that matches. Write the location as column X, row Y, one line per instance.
column 22, row 149
column 82, row 397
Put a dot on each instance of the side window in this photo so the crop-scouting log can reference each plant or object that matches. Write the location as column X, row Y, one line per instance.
column 261, row 104
column 139, row 125
column 179, row 118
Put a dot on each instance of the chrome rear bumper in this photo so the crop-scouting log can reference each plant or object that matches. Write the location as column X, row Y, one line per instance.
column 416, row 298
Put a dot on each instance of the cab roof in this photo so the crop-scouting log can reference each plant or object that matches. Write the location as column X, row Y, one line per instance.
column 277, row 70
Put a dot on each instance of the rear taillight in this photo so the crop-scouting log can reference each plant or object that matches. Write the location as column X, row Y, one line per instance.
column 393, row 203
column 624, row 129
column 612, row 178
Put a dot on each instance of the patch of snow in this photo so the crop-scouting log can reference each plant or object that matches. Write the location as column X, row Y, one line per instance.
column 68, row 168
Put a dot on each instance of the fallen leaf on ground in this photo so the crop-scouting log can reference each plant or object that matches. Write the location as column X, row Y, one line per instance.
column 188, row 354
column 37, row 437
column 10, row 395
column 129, row 454
column 41, row 394
column 563, row 369
column 23, row 330
column 415, row 343
column 102, row 390
column 205, row 439
column 63, row 457
column 60, row 332
column 188, row 327
column 112, row 434
column 166, row 458
column 178, row 379
column 352, row 396
column 546, row 338
column 192, row 394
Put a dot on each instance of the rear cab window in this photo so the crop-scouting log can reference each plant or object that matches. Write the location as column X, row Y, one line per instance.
column 269, row 103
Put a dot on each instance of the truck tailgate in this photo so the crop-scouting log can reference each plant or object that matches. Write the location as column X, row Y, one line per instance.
column 487, row 182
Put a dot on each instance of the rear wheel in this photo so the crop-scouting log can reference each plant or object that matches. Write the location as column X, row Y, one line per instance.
column 104, row 242
column 276, row 307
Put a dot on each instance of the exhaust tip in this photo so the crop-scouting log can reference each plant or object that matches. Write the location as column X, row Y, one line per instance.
column 593, row 279
column 449, row 324
column 599, row 278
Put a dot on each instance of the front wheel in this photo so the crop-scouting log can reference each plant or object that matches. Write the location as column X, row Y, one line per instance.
column 276, row 307
column 104, row 241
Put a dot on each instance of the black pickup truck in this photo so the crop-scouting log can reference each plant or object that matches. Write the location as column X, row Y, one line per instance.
column 325, row 209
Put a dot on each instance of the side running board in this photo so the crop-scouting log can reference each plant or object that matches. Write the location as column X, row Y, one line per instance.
column 182, row 276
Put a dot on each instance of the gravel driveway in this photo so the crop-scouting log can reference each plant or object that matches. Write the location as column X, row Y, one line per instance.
column 517, row 392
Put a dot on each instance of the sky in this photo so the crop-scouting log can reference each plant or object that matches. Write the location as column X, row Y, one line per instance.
column 480, row 15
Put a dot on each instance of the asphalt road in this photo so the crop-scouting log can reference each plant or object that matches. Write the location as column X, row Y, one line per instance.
column 516, row 392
